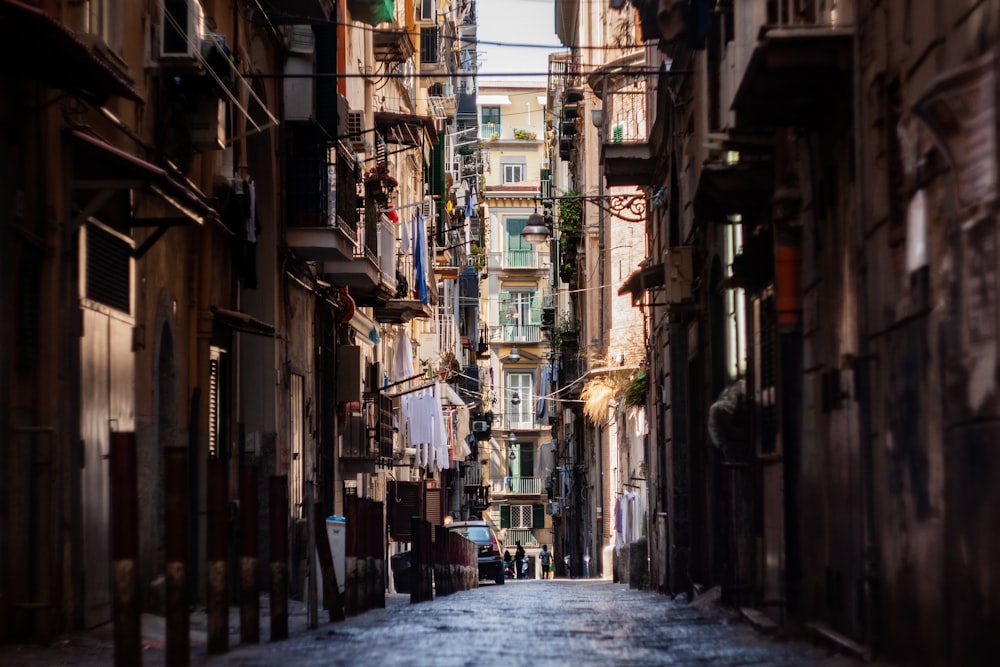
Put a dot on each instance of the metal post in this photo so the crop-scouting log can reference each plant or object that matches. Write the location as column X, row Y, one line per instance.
column 176, row 519
column 125, row 549
column 215, row 556
column 249, row 598
column 279, row 557
column 312, row 606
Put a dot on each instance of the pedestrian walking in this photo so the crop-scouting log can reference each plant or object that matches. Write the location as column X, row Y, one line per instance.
column 519, row 560
column 545, row 556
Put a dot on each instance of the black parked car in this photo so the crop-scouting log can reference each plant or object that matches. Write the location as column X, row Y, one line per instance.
column 490, row 561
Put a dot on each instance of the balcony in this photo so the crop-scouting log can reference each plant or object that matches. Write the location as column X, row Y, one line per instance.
column 473, row 475
column 526, row 536
column 321, row 226
column 625, row 123
column 517, row 486
column 371, row 273
column 800, row 67
column 392, row 45
column 518, row 259
column 516, row 333
column 490, row 131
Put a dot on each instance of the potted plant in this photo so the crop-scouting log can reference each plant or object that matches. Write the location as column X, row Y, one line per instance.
column 571, row 215
column 379, row 182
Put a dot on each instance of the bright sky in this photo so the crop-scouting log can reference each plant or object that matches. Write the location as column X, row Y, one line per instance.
column 517, row 22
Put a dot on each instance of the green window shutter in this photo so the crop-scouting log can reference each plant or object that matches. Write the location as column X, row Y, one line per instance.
column 504, row 304
column 536, row 308
column 505, row 516
column 538, row 516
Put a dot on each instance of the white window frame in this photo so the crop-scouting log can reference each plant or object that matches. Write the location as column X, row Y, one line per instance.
column 513, row 172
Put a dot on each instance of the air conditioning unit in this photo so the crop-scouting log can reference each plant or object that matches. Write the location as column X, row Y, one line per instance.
column 181, row 30
column 356, row 131
column 208, row 124
column 482, row 435
column 427, row 209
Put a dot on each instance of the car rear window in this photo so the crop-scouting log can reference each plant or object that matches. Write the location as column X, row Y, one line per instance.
column 475, row 533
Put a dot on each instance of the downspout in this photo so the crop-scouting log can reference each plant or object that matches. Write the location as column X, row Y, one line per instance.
column 862, row 368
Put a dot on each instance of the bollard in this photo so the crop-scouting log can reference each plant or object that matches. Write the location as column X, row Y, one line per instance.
column 379, row 546
column 331, row 588
column 124, row 517
column 249, row 598
column 175, row 517
column 217, row 603
column 279, row 557
column 351, row 556
column 416, row 560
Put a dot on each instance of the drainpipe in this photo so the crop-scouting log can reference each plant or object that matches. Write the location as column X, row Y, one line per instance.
column 862, row 367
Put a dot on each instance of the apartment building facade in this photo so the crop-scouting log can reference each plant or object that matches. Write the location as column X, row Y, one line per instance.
column 813, row 415
column 517, row 289
column 226, row 217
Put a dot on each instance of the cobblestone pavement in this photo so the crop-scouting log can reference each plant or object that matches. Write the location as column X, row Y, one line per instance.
column 537, row 623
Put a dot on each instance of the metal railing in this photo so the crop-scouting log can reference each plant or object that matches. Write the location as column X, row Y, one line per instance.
column 474, row 475
column 526, row 536
column 805, row 13
column 516, row 333
column 518, row 259
column 489, row 131
column 627, row 114
column 519, row 486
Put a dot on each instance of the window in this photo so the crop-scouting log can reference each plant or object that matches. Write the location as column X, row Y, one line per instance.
column 296, row 398
column 218, row 399
column 427, row 10
column 429, row 44
column 108, row 277
column 105, row 21
column 491, row 115
column 519, row 308
column 520, row 399
column 513, row 172
column 522, row 460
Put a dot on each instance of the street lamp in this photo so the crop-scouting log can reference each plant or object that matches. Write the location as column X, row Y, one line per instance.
column 535, row 231
column 627, row 207
column 514, row 355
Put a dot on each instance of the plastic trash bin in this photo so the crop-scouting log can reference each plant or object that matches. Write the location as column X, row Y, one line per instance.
column 336, row 532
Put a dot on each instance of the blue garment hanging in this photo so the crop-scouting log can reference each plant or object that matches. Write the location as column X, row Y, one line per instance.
column 420, row 258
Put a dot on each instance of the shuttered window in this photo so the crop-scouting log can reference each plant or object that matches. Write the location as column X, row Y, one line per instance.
column 108, row 268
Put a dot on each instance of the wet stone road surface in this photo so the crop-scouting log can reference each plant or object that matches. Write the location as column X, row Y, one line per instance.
column 537, row 623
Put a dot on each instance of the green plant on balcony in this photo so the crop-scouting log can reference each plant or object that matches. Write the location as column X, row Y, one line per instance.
column 566, row 331
column 478, row 256
column 570, row 214
column 635, row 393
column 526, row 135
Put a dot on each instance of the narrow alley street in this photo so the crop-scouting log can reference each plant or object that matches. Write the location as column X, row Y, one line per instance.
column 537, row 623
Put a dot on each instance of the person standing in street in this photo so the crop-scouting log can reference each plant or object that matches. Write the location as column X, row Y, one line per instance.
column 519, row 560
column 545, row 556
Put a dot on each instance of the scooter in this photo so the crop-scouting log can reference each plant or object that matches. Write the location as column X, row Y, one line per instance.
column 508, row 569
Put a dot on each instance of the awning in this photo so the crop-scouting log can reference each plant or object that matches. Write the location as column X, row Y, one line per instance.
column 405, row 128
column 642, row 279
column 44, row 47
column 372, row 12
column 493, row 100
column 242, row 322
column 97, row 165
